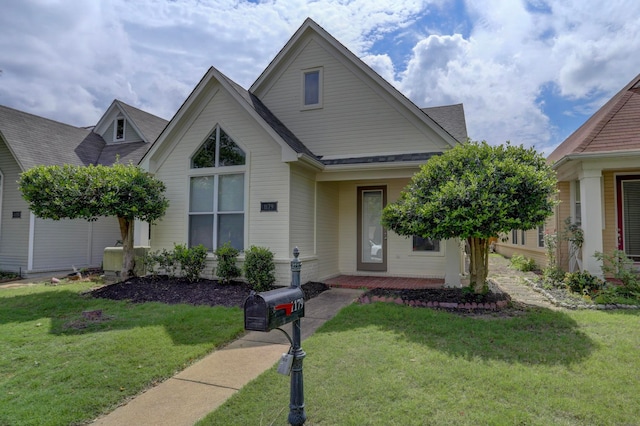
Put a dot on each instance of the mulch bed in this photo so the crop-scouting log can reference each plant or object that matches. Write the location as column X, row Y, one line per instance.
column 179, row 290
column 445, row 298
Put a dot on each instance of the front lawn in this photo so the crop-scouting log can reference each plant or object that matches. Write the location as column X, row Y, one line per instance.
column 58, row 367
column 383, row 364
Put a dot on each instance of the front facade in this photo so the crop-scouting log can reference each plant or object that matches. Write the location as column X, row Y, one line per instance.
column 598, row 170
column 307, row 158
column 30, row 245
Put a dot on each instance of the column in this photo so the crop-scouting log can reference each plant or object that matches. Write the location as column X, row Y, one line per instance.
column 592, row 220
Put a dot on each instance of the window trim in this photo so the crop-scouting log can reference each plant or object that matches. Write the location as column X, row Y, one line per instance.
column 216, row 172
column 115, row 129
column 576, row 203
column 304, row 106
column 426, row 253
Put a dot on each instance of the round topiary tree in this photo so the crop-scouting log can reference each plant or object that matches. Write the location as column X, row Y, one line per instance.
column 475, row 191
column 88, row 192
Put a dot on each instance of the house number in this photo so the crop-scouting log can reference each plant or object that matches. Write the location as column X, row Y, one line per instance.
column 268, row 206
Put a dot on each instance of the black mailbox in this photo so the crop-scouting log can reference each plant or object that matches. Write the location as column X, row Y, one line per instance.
column 271, row 309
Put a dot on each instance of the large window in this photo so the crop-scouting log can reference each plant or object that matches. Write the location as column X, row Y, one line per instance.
column 312, row 88
column 216, row 193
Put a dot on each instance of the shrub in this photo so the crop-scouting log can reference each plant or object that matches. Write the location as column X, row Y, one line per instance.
column 522, row 263
column 622, row 268
column 227, row 257
column 189, row 261
column 192, row 260
column 582, row 282
column 553, row 276
column 259, row 268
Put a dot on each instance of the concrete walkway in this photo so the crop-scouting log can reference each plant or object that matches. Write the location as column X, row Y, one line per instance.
column 202, row 387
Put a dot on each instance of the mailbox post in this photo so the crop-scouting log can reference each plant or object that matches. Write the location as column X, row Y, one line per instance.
column 297, row 415
column 269, row 310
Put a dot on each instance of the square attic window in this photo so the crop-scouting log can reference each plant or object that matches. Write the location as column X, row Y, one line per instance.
column 312, row 88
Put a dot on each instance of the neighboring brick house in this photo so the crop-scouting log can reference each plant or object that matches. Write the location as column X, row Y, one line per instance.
column 598, row 169
column 31, row 245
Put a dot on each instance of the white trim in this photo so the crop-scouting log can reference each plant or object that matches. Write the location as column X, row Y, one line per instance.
column 216, row 172
column 32, row 236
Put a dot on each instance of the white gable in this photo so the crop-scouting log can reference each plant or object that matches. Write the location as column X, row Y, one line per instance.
column 360, row 113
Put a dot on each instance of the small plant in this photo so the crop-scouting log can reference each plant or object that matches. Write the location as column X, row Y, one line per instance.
column 259, row 268
column 573, row 233
column 227, row 258
column 582, row 282
column 192, row 260
column 5, row 275
column 620, row 267
column 553, row 276
column 522, row 263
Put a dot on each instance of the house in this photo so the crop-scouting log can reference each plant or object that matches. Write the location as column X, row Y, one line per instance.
column 31, row 245
column 307, row 157
column 598, row 169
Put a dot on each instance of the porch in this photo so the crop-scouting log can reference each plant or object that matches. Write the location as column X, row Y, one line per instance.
column 369, row 282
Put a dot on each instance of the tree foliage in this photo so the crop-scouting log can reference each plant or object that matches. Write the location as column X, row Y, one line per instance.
column 475, row 191
column 89, row 192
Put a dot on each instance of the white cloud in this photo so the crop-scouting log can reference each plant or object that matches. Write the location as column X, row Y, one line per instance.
column 68, row 60
column 513, row 51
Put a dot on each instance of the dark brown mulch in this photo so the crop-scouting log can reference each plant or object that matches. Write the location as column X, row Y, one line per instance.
column 447, row 295
column 179, row 290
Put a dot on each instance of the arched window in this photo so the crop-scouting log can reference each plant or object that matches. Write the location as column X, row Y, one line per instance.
column 216, row 193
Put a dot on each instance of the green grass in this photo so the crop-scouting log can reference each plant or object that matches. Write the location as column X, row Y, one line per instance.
column 57, row 368
column 383, row 364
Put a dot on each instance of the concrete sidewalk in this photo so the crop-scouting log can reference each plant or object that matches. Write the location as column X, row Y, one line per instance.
column 201, row 388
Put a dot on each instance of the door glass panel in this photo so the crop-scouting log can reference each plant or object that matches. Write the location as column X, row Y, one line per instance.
column 371, row 228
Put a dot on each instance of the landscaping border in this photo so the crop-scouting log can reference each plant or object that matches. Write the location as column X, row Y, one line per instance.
column 594, row 306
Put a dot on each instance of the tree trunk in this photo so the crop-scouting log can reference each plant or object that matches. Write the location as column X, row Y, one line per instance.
column 479, row 264
column 128, row 255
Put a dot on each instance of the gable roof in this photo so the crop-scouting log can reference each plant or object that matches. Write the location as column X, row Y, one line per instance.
column 293, row 148
column 149, row 126
column 450, row 118
column 310, row 26
column 35, row 140
column 146, row 125
column 287, row 135
column 615, row 127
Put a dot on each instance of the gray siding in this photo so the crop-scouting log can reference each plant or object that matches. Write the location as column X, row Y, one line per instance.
column 14, row 233
column 130, row 135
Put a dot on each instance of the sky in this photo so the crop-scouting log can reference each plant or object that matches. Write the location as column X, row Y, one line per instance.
column 530, row 72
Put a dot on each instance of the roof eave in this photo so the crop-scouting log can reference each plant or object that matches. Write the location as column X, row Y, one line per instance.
column 594, row 156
